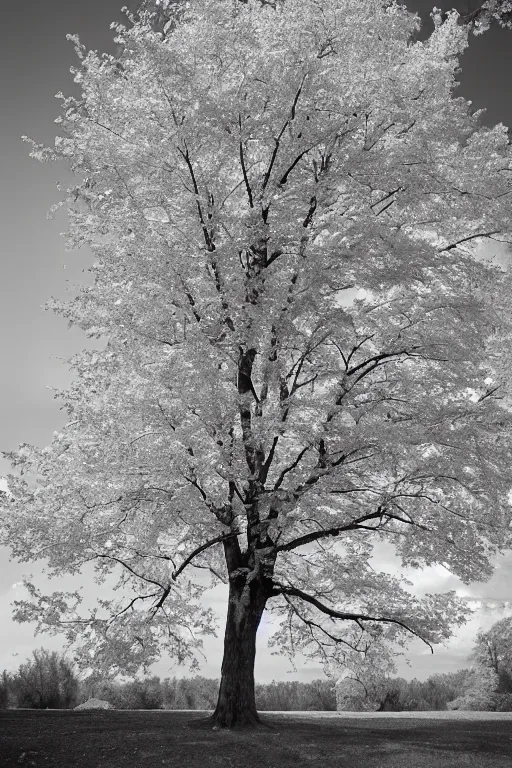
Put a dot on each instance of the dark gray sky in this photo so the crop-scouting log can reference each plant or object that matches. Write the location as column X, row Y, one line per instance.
column 34, row 61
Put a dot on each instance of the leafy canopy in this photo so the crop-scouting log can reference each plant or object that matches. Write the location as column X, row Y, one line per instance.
column 299, row 347
column 491, row 12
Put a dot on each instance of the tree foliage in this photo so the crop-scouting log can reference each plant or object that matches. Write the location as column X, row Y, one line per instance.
column 480, row 18
column 475, row 14
column 478, row 692
column 493, row 649
column 492, row 659
column 301, row 354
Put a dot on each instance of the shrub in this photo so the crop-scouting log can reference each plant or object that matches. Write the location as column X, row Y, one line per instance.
column 47, row 681
column 503, row 702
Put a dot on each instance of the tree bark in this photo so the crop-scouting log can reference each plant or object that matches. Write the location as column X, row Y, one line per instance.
column 236, row 705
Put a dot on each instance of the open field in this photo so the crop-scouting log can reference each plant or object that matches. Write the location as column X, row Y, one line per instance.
column 137, row 739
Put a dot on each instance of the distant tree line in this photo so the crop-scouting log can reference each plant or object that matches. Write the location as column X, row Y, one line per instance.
column 466, row 689
column 49, row 680
column 485, row 686
column 46, row 681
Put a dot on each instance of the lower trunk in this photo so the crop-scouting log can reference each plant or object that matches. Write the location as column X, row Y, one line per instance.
column 236, row 705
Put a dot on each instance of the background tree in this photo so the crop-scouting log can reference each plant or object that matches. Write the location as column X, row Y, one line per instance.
column 493, row 649
column 479, row 691
column 439, row 689
column 464, row 689
column 492, row 655
column 366, row 678
column 143, row 694
column 201, row 693
column 323, row 696
column 301, row 353
column 195, row 693
column 47, row 681
column 4, row 690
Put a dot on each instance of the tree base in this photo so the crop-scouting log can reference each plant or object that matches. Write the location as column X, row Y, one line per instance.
column 215, row 723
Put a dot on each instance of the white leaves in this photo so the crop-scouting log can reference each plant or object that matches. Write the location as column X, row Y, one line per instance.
column 156, row 214
column 296, row 210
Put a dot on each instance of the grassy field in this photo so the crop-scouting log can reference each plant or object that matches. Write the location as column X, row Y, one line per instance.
column 117, row 739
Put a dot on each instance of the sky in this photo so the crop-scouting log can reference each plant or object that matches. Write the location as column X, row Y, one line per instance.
column 34, row 344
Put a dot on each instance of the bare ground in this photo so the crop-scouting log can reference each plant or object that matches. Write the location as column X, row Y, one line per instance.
column 136, row 739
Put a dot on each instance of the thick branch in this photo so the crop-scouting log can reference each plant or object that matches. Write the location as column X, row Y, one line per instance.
column 232, row 553
column 161, row 601
column 200, row 549
column 379, row 358
column 281, row 133
column 467, row 239
column 130, row 605
column 207, row 239
column 244, row 169
column 284, row 177
column 309, row 623
column 300, row 541
column 355, row 525
column 245, row 386
column 357, row 617
column 129, row 568
column 290, row 468
column 325, row 466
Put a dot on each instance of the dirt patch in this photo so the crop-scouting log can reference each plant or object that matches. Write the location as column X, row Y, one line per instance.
column 114, row 739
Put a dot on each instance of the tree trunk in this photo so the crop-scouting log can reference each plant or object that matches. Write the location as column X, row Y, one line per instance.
column 236, row 706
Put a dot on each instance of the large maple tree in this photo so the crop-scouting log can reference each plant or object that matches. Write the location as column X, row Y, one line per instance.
column 302, row 351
